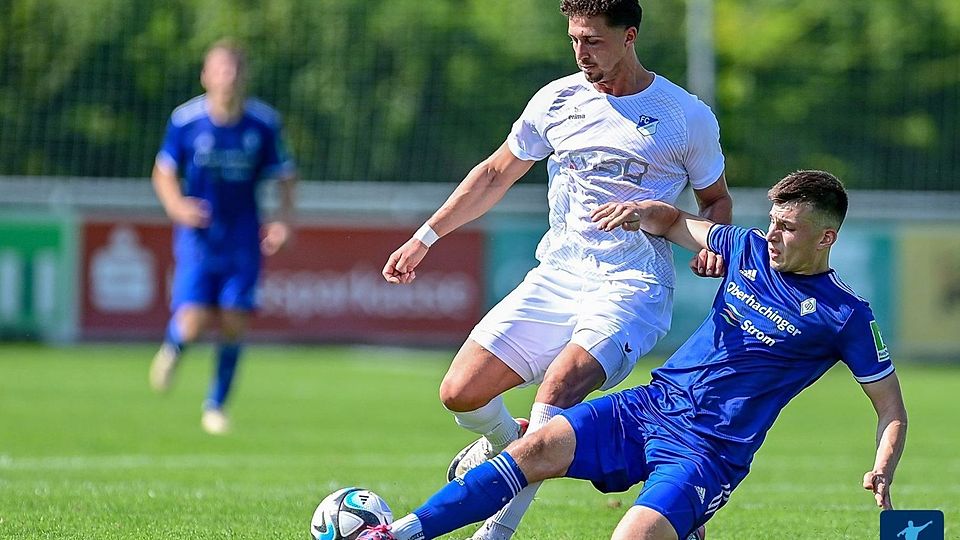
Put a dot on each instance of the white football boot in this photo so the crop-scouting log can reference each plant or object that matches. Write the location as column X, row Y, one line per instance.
column 478, row 452
column 215, row 422
column 162, row 368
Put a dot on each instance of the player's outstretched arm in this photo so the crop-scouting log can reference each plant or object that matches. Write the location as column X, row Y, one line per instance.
column 891, row 435
column 657, row 218
column 477, row 193
column 188, row 211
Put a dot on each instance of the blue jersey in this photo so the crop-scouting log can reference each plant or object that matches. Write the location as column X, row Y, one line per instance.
column 223, row 165
column 769, row 335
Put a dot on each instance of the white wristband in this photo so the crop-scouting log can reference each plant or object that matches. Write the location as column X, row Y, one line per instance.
column 426, row 235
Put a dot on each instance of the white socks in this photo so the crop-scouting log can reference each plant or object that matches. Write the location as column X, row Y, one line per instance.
column 540, row 414
column 503, row 524
column 493, row 421
column 407, row 528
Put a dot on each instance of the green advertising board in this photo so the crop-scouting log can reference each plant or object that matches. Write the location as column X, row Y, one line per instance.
column 37, row 278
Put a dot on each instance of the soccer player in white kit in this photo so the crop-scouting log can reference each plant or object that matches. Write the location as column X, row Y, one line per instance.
column 599, row 300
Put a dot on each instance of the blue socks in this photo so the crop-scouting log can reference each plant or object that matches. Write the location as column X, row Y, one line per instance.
column 227, row 356
column 475, row 497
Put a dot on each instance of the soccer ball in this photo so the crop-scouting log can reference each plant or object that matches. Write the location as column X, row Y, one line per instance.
column 343, row 514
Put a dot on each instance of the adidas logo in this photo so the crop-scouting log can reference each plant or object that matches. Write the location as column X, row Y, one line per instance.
column 701, row 492
column 749, row 274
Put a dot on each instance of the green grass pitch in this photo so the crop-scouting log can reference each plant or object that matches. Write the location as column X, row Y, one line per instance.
column 87, row 452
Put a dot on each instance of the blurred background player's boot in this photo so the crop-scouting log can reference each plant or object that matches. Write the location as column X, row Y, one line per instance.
column 215, row 422
column 162, row 368
column 480, row 451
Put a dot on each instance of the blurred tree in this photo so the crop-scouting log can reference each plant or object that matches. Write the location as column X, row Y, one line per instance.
column 408, row 90
column 867, row 89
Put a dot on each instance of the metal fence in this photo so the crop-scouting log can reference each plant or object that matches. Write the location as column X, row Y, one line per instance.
column 411, row 91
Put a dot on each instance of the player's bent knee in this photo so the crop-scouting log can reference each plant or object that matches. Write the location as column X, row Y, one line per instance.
column 459, row 397
column 190, row 331
column 644, row 523
column 546, row 453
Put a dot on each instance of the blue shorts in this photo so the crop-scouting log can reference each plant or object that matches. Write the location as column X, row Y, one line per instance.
column 226, row 284
column 619, row 446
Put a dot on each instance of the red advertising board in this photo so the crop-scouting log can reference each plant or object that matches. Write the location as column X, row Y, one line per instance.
column 325, row 287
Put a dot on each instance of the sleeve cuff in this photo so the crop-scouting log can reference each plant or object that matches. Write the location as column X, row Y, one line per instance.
column 519, row 152
column 710, row 243
column 280, row 171
column 710, row 178
column 874, row 378
column 166, row 161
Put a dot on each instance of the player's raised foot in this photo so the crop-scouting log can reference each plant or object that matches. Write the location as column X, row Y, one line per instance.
column 478, row 452
column 698, row 534
column 215, row 422
column 162, row 368
column 380, row 532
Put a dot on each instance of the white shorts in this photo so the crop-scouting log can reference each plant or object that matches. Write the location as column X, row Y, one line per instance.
column 617, row 322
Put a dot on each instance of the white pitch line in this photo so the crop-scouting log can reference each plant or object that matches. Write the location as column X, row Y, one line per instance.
column 195, row 461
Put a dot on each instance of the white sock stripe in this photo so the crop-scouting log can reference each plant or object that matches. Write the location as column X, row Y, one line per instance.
column 509, row 477
column 500, row 469
column 500, row 463
column 512, row 475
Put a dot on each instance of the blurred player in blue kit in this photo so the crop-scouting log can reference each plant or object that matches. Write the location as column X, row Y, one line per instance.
column 223, row 145
column 781, row 318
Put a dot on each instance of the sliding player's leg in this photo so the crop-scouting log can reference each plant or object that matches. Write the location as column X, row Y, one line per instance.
column 486, row 488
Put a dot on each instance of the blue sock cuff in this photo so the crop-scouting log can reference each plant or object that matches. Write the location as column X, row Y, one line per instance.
column 509, row 469
column 475, row 497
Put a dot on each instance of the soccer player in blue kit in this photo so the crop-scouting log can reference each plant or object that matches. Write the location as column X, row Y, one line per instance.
column 223, row 145
column 781, row 318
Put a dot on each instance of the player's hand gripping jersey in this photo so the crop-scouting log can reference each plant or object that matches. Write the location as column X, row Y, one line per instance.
column 605, row 148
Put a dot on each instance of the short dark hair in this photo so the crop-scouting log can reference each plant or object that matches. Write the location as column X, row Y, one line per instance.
column 820, row 189
column 625, row 13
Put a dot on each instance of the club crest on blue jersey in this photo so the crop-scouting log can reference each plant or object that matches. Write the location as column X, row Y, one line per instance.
column 647, row 125
column 203, row 143
column 251, row 141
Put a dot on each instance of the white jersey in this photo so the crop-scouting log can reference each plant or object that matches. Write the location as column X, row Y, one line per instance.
column 604, row 148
